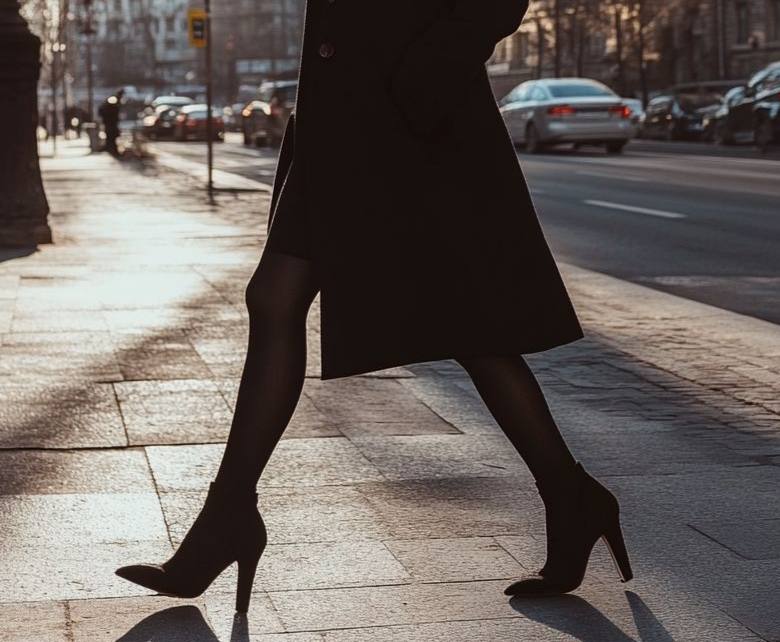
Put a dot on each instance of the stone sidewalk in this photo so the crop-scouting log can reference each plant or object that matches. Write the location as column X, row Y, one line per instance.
column 396, row 509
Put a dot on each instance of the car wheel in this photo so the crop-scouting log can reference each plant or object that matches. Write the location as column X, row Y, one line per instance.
column 533, row 144
column 616, row 147
column 763, row 134
column 722, row 135
column 247, row 140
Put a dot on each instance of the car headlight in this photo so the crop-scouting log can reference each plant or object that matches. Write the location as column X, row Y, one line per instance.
column 149, row 121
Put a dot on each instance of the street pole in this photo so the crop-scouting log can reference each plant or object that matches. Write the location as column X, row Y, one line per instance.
column 90, row 89
column 209, row 120
column 87, row 32
column 23, row 206
column 53, row 81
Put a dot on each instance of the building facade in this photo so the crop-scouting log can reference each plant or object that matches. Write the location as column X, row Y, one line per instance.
column 679, row 41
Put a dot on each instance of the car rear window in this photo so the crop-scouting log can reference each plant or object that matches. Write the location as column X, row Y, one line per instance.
column 573, row 90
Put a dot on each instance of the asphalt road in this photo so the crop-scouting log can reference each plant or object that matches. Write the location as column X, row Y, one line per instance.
column 696, row 220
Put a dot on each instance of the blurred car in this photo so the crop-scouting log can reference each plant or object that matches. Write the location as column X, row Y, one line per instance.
column 231, row 114
column 159, row 122
column 264, row 119
column 750, row 113
column 191, row 123
column 637, row 110
column 171, row 101
column 539, row 113
column 678, row 116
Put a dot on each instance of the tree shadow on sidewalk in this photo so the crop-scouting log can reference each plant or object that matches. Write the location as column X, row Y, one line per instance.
column 575, row 616
column 182, row 624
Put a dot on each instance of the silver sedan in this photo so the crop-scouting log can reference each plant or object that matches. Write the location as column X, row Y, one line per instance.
column 552, row 111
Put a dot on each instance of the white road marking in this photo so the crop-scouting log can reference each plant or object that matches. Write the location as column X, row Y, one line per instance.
column 608, row 175
column 635, row 209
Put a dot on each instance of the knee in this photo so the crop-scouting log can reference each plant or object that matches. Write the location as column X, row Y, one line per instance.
column 259, row 303
column 265, row 309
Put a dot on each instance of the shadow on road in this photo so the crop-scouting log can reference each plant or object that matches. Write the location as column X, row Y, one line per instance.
column 575, row 616
column 182, row 624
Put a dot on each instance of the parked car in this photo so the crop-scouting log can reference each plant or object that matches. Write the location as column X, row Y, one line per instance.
column 231, row 114
column 171, row 101
column 637, row 110
column 264, row 119
column 678, row 116
column 191, row 123
column 750, row 113
column 159, row 122
column 541, row 113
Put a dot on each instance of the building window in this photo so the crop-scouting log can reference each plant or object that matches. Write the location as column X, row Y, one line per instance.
column 743, row 22
column 774, row 19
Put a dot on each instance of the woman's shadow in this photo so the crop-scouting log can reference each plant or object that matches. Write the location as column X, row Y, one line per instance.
column 578, row 618
column 183, row 624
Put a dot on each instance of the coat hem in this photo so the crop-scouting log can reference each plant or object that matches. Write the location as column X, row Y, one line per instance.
column 327, row 374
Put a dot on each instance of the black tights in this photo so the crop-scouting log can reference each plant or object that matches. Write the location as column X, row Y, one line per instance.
column 278, row 297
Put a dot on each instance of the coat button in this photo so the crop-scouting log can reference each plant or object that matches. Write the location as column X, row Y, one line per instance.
column 327, row 49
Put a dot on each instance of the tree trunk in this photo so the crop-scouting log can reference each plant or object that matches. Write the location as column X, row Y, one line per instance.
column 620, row 80
column 539, row 47
column 557, row 32
column 23, row 207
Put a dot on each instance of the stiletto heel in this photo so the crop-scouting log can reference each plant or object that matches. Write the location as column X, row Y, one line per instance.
column 578, row 512
column 228, row 529
column 246, row 577
column 616, row 545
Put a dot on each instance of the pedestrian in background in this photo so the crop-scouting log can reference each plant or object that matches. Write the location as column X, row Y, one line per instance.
column 109, row 114
column 417, row 255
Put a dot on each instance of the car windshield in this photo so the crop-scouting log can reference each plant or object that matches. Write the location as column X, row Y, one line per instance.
column 572, row 90
column 692, row 102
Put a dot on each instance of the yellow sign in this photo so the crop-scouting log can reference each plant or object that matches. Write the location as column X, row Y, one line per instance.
column 196, row 21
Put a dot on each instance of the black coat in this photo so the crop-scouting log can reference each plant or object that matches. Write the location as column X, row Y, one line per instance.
column 420, row 222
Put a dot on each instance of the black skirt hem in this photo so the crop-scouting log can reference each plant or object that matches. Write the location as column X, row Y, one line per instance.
column 383, row 363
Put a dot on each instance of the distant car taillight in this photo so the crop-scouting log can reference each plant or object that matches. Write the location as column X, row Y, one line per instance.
column 624, row 111
column 561, row 110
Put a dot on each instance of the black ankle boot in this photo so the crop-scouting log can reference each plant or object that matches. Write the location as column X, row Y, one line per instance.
column 578, row 511
column 228, row 529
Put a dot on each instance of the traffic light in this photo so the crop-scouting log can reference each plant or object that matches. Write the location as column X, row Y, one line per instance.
column 196, row 21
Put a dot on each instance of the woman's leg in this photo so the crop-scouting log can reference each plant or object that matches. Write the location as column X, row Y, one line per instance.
column 513, row 396
column 278, row 298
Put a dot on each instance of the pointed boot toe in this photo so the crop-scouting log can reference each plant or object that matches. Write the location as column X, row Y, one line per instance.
column 538, row 586
column 228, row 529
column 151, row 576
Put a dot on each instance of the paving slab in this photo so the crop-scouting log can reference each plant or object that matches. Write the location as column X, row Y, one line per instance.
column 292, row 515
column 295, row 462
column 83, row 472
column 38, row 621
column 133, row 619
column 455, row 559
